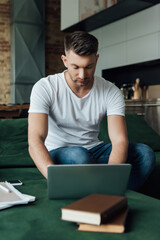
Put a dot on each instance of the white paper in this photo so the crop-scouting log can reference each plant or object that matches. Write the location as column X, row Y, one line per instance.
column 14, row 197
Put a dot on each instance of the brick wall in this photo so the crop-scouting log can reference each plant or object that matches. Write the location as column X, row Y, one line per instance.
column 53, row 38
column 4, row 51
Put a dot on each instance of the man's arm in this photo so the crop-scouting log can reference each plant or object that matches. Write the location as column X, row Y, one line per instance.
column 37, row 133
column 118, row 136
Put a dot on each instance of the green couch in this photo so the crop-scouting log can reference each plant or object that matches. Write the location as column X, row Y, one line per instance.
column 40, row 220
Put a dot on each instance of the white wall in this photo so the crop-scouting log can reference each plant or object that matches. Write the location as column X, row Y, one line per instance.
column 130, row 40
column 69, row 13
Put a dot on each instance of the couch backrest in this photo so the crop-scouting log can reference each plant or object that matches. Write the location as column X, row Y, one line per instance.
column 138, row 131
column 14, row 143
column 14, row 138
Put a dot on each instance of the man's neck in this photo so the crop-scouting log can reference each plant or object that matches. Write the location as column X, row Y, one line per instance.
column 79, row 91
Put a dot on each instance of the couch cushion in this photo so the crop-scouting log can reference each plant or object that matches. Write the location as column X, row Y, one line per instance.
column 42, row 219
column 14, row 143
column 138, row 132
column 21, row 173
column 151, row 186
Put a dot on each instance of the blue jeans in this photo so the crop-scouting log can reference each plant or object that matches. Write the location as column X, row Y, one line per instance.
column 140, row 156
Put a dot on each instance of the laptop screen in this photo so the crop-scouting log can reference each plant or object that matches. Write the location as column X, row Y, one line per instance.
column 76, row 181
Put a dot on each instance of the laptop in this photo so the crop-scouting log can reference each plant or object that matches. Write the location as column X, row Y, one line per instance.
column 76, row 181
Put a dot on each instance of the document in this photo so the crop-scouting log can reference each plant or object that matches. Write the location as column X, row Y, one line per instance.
column 10, row 196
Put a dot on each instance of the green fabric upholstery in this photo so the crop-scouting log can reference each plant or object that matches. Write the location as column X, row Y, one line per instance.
column 14, row 143
column 151, row 186
column 41, row 220
column 138, row 132
column 21, row 173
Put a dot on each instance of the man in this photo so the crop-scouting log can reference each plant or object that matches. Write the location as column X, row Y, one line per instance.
column 66, row 110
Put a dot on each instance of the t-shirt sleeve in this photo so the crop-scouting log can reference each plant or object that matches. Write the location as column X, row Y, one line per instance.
column 40, row 99
column 115, row 102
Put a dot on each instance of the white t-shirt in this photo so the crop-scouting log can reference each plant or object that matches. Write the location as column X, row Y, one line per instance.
column 74, row 121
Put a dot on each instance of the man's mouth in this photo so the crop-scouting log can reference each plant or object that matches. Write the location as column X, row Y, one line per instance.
column 83, row 80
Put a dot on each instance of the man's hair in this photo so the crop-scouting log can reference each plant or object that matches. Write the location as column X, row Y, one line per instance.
column 81, row 43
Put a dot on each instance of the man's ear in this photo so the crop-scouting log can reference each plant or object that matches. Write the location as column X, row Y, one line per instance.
column 64, row 59
column 97, row 56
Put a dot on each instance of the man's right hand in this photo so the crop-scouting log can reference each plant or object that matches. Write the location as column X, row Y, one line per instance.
column 37, row 133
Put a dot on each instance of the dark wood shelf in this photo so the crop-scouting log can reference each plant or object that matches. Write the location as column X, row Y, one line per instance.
column 148, row 72
column 118, row 11
column 12, row 111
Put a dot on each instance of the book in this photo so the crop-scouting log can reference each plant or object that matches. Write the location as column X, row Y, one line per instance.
column 93, row 209
column 113, row 225
column 10, row 196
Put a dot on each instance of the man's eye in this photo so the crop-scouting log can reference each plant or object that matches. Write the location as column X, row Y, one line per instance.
column 89, row 67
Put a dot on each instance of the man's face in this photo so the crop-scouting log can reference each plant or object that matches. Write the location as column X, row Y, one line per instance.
column 80, row 68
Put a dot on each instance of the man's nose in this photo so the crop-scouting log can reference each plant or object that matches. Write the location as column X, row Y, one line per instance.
column 82, row 73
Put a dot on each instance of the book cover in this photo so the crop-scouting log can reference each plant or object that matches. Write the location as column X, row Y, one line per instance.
column 113, row 225
column 93, row 209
